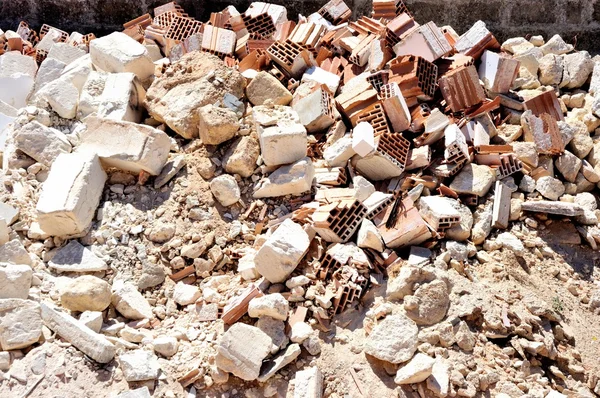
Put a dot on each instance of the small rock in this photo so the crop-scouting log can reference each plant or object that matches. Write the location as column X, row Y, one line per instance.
column 241, row 351
column 512, row 243
column 20, row 323
column 15, row 280
column 166, row 346
column 186, row 294
column 393, row 340
column 161, row 232
column 225, row 188
column 139, row 365
column 86, row 293
column 465, row 339
column 417, row 370
column 300, row 332
column 272, row 305
column 129, row 302
column 474, row 179
column 550, row 187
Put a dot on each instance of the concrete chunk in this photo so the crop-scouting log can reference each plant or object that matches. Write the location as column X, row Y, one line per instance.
column 281, row 253
column 417, row 370
column 116, row 96
column 15, row 280
column 130, row 302
column 271, row 305
column 309, row 383
column 283, row 144
column 474, row 179
column 125, row 145
column 17, row 74
column 279, row 362
column 553, row 207
column 71, row 194
column 42, row 143
column 393, row 340
column 20, row 323
column 293, row 179
column 139, row 365
column 241, row 351
column 75, row 257
column 92, row 344
column 118, row 52
column 265, row 87
column 338, row 154
column 13, row 252
column 217, row 124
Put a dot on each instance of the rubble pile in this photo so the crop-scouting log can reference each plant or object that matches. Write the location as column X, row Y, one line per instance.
column 218, row 208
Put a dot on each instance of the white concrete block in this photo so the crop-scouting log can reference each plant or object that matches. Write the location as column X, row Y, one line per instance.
column 321, row 76
column 116, row 96
column 15, row 89
column 284, row 143
column 62, row 96
column 7, row 115
column 12, row 63
column 280, row 254
column 125, row 145
column 42, row 143
column 71, row 194
column 292, row 179
column 338, row 154
column 118, row 52
column 50, row 70
column 15, row 280
column 363, row 139
column 65, row 53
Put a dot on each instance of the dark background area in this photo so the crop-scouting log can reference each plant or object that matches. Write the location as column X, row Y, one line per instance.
column 578, row 21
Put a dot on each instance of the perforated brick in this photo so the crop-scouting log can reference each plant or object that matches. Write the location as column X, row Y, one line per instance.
column 416, row 77
column 375, row 115
column 461, row 88
column 181, row 28
column 394, row 147
column 339, row 221
column 64, row 36
column 335, row 11
column 261, row 24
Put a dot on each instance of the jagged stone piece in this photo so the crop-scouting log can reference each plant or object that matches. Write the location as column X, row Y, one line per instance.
column 71, row 194
column 92, row 344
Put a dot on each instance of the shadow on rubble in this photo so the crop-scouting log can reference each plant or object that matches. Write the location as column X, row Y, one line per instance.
column 143, row 197
column 566, row 242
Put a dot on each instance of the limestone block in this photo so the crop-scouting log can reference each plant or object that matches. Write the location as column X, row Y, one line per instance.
column 50, row 70
column 127, row 146
column 284, row 143
column 74, row 257
column 20, row 323
column 130, row 302
column 118, row 52
column 241, row 351
column 241, row 156
column 42, row 143
column 116, row 96
column 309, row 383
column 338, row 154
column 139, row 365
column 217, row 125
column 293, row 179
column 70, row 194
column 265, row 87
column 15, row 280
column 280, row 254
column 92, row 344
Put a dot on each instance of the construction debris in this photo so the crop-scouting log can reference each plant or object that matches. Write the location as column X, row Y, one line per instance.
column 326, row 206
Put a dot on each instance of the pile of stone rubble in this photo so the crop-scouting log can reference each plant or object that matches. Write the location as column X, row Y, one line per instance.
column 193, row 206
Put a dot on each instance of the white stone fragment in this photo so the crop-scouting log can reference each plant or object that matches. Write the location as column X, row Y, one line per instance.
column 15, row 280
column 417, row 370
column 241, row 351
column 338, row 154
column 139, row 365
column 74, row 257
column 166, row 346
column 369, row 237
column 94, row 345
column 308, row 383
column 271, row 305
column 281, row 253
column 42, row 143
column 20, row 323
column 70, row 194
column 127, row 146
column 363, row 139
column 130, row 302
column 92, row 319
column 118, row 52
column 321, row 76
column 284, row 143
column 186, row 294
column 293, row 179
column 225, row 189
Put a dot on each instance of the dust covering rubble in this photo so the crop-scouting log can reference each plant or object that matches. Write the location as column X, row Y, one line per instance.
column 324, row 207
